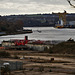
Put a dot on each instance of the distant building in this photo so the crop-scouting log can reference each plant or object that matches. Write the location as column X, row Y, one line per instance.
column 71, row 22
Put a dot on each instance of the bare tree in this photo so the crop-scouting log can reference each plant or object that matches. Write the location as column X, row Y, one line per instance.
column 70, row 2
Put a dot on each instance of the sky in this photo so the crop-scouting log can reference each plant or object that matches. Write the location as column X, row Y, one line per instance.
column 17, row 7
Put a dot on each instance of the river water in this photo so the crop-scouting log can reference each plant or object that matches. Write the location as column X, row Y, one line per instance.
column 44, row 33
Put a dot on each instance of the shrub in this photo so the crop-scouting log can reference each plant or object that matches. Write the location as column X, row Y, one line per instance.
column 64, row 47
column 16, row 57
column 50, row 70
column 41, row 69
column 4, row 54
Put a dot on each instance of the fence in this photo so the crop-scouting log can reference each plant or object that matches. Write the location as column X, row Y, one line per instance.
column 13, row 65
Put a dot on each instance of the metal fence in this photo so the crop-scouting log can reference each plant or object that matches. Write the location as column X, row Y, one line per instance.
column 16, row 65
column 13, row 65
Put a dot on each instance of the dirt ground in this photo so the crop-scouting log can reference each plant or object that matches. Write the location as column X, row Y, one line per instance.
column 38, row 63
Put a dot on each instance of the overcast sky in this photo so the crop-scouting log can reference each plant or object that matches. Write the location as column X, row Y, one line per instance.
column 11, row 7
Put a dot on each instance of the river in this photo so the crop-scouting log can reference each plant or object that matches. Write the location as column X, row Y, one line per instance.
column 44, row 33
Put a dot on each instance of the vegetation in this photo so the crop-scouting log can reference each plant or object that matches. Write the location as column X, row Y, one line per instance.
column 10, row 24
column 64, row 48
column 41, row 69
column 16, row 57
column 48, row 50
column 4, row 54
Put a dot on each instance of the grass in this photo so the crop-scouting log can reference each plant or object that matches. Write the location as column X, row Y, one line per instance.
column 4, row 54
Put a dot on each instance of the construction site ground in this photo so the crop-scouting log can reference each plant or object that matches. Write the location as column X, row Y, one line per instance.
column 41, row 63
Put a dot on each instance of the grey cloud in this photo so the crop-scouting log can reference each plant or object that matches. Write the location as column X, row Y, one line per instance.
column 58, row 2
column 32, row 6
column 15, row 1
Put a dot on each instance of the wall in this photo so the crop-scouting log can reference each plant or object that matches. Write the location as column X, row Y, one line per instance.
column 38, row 47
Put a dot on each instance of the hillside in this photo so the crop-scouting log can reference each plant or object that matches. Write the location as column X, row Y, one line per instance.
column 64, row 48
column 12, row 23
